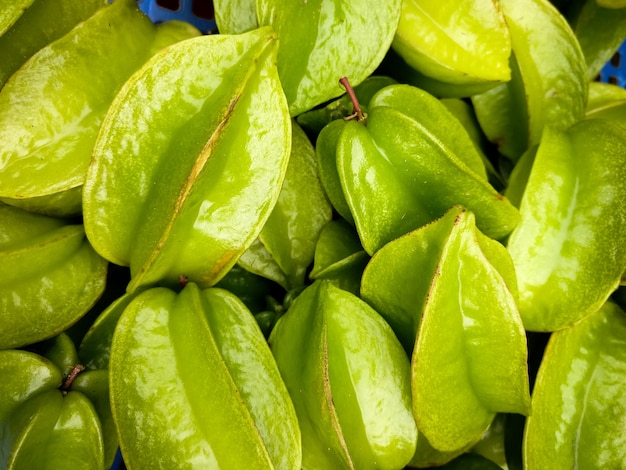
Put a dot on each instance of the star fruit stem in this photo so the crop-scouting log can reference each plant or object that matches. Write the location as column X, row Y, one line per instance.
column 77, row 369
column 358, row 113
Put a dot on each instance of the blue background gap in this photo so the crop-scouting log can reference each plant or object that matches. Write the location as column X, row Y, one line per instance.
column 197, row 12
column 615, row 69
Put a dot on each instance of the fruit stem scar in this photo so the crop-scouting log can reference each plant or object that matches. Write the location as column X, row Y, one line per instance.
column 77, row 369
column 358, row 113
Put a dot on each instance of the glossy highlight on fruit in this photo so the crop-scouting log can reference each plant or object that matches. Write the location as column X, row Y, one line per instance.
column 462, row 45
column 349, row 381
column 569, row 249
column 43, row 423
column 331, row 234
column 548, row 86
column 408, row 164
column 206, row 168
column 43, row 22
column 50, row 276
column 52, row 107
column 578, row 403
column 334, row 39
column 197, row 364
column 286, row 244
column 444, row 289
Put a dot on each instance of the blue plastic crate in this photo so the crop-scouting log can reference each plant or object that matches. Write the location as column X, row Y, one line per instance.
column 197, row 12
column 615, row 70
column 118, row 463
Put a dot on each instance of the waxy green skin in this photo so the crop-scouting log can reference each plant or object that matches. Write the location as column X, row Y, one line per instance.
column 600, row 32
column 396, row 67
column 326, row 153
column 92, row 381
column 503, row 114
column 235, row 16
column 464, row 112
column 329, row 123
column 257, row 260
column 11, row 11
column 292, row 229
column 348, row 378
column 316, row 119
column 486, row 339
column 29, row 373
column 196, row 371
column 579, row 404
column 445, row 291
column 516, row 184
column 52, row 108
column 549, row 86
column 569, row 248
column 615, row 112
column 53, row 430
column 40, row 426
column 339, row 256
column 436, row 120
column 333, row 39
column 50, row 276
column 94, row 384
column 606, row 101
column 492, row 443
column 463, row 44
column 601, row 94
column 204, row 170
column 95, row 347
column 60, row 350
column 616, row 4
column 94, row 353
column 43, row 22
column 409, row 164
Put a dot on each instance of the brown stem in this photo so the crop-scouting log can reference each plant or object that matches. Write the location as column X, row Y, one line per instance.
column 77, row 369
column 358, row 112
column 183, row 280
